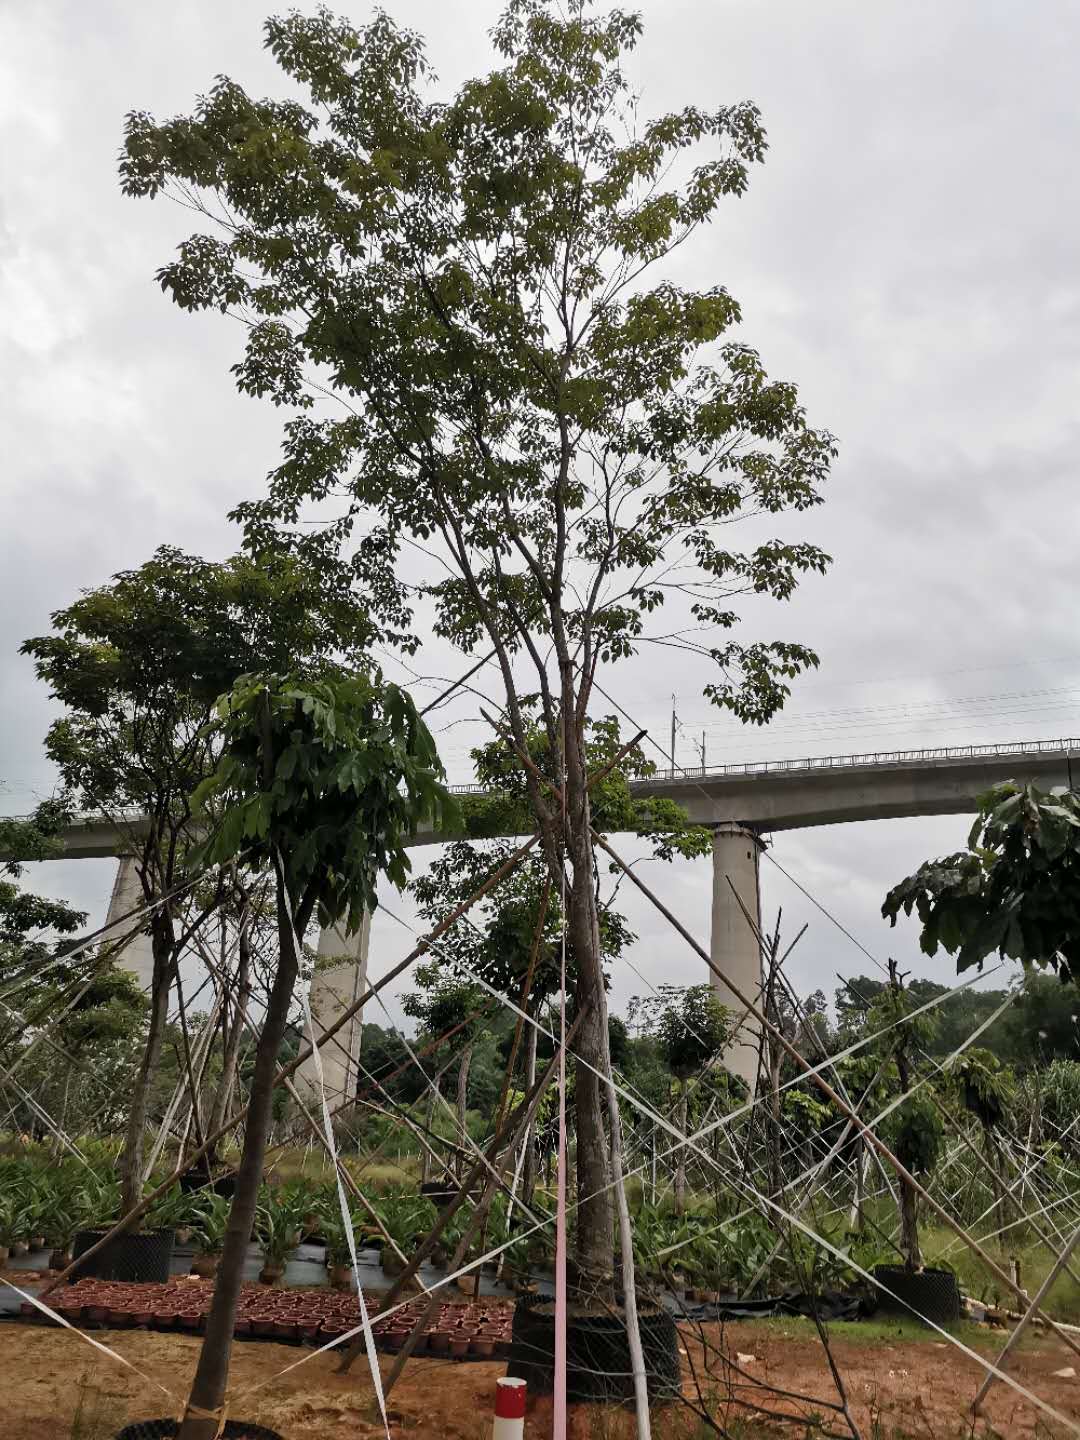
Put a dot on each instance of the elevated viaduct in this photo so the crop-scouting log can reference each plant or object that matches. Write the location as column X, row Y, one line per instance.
column 742, row 804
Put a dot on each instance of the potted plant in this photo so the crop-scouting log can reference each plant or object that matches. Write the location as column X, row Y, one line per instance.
column 177, row 1210
column 404, row 1216
column 7, row 1226
column 276, row 1229
column 517, row 1264
column 209, row 1233
column 28, row 1208
column 338, row 1254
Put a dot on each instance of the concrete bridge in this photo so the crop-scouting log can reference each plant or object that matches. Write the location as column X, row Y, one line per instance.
column 741, row 803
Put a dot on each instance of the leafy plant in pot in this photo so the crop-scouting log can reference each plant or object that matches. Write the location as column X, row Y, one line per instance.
column 404, row 1215
column 276, row 1229
column 177, row 1210
column 209, row 1234
column 64, row 1213
column 338, row 1255
column 7, row 1226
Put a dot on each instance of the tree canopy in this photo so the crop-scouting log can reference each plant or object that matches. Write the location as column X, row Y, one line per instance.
column 567, row 438
column 333, row 776
column 1015, row 890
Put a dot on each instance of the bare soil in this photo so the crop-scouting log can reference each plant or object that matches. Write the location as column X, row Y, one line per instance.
column 55, row 1386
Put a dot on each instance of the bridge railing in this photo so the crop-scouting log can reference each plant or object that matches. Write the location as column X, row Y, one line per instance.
column 880, row 758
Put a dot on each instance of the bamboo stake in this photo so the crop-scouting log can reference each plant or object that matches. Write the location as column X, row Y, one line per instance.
column 827, row 1090
column 136, row 1213
column 1059, row 1264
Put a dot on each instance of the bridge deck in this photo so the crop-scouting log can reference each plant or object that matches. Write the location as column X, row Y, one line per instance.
column 793, row 794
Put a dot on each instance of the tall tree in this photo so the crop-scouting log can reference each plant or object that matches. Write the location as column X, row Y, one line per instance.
column 137, row 665
column 568, row 439
column 324, row 782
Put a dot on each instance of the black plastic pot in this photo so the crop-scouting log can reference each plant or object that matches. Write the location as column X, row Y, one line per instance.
column 166, row 1429
column 931, row 1295
column 143, row 1257
column 597, row 1353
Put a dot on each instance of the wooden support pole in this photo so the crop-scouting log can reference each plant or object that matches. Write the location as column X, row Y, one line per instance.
column 827, row 1090
column 136, row 1213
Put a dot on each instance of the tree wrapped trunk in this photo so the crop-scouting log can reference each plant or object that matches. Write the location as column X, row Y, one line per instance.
column 132, row 1161
column 528, row 1168
column 211, row 1376
column 680, row 1163
column 909, row 1225
column 242, row 999
column 429, row 1117
column 462, row 1106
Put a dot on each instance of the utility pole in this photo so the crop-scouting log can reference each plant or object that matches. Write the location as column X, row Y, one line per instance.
column 674, row 722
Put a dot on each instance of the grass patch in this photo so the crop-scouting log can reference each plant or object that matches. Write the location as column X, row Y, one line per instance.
column 884, row 1330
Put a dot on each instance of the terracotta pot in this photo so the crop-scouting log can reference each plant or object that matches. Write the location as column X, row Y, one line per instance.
column 285, row 1328
column 205, row 1265
column 271, row 1272
column 189, row 1319
column 242, row 1326
column 164, row 1319
column 308, row 1329
column 438, row 1342
column 340, row 1276
column 459, row 1346
column 262, row 1325
column 142, row 1318
column 119, row 1318
column 71, row 1310
column 96, row 1312
column 468, row 1284
column 482, row 1347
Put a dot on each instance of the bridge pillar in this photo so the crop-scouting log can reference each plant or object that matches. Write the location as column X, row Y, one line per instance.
column 137, row 956
column 339, row 979
column 734, row 948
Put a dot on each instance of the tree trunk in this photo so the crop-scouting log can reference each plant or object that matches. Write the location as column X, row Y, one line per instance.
column 242, row 998
column 462, row 1106
column 776, row 1138
column 425, row 1169
column 212, row 1373
column 997, row 1183
column 58, row 1141
column 132, row 1159
column 909, row 1199
column 528, row 1169
column 595, row 1213
column 680, row 1163
column 855, row 1216
column 595, row 1205
column 909, row 1226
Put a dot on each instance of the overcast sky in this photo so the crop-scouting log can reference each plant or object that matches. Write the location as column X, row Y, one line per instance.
column 906, row 255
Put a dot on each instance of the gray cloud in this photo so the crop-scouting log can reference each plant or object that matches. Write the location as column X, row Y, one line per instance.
column 907, row 254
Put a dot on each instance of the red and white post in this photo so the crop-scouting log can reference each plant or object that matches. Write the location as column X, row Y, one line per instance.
column 509, row 1409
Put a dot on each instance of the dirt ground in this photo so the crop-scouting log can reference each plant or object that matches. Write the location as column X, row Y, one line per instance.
column 57, row 1387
